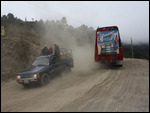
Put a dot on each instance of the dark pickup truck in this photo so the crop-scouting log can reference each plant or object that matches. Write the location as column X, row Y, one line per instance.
column 44, row 67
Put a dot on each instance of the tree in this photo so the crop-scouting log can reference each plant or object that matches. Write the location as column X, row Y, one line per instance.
column 47, row 22
column 4, row 20
column 10, row 16
column 41, row 22
column 4, row 17
column 63, row 20
column 57, row 21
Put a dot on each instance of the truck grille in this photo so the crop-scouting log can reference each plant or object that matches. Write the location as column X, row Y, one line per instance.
column 26, row 76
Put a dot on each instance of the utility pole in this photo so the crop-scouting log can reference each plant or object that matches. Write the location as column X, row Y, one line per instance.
column 26, row 25
column 131, row 47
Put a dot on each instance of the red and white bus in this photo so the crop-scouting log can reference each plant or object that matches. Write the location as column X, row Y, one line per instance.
column 108, row 47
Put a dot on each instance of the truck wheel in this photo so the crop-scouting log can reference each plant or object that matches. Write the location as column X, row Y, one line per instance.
column 25, row 85
column 68, row 69
column 44, row 79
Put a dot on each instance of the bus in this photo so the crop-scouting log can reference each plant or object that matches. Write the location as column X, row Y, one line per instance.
column 108, row 46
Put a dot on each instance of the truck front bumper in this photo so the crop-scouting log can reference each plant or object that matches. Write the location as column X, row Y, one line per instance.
column 27, row 80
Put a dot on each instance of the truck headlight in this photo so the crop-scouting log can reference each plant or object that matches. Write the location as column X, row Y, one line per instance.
column 35, row 76
column 18, row 77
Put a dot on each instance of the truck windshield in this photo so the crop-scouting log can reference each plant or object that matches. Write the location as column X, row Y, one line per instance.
column 41, row 61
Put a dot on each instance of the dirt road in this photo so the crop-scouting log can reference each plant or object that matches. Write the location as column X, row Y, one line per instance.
column 107, row 89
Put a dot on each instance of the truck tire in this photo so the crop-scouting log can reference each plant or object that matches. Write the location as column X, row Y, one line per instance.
column 68, row 69
column 44, row 79
column 25, row 85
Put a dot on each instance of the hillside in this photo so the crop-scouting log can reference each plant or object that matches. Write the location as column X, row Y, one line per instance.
column 17, row 52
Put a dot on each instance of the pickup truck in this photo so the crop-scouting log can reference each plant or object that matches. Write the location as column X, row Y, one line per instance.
column 44, row 67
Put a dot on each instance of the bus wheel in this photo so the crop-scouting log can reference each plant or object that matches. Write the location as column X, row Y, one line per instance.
column 118, row 65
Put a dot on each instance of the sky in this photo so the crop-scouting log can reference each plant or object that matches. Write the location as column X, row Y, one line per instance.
column 131, row 17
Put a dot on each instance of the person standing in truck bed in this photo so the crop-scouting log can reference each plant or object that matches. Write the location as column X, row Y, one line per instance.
column 45, row 51
column 50, row 50
column 57, row 51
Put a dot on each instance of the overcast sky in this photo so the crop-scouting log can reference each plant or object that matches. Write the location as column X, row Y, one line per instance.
column 132, row 18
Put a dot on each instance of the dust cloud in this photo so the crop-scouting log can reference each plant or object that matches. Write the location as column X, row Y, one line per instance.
column 83, row 53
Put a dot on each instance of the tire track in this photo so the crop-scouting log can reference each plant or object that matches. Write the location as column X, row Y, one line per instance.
column 118, row 89
column 93, row 92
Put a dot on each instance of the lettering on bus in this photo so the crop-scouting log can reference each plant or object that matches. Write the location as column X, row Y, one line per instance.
column 108, row 41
